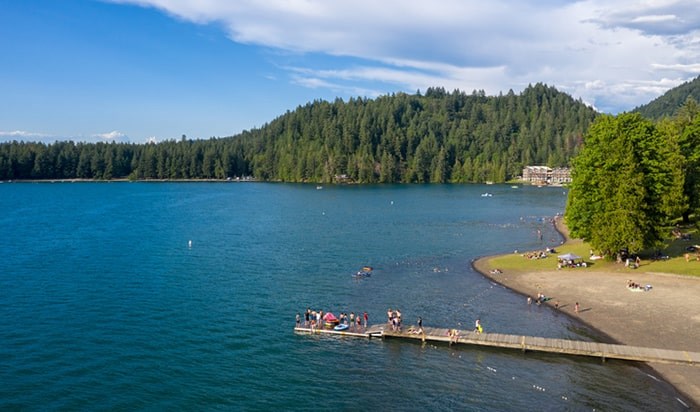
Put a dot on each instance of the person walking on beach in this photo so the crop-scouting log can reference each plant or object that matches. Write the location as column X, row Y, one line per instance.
column 576, row 308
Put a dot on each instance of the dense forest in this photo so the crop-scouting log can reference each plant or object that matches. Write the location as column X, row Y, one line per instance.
column 670, row 102
column 436, row 136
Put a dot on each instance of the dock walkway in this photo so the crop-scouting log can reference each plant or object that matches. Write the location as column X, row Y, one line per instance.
column 523, row 343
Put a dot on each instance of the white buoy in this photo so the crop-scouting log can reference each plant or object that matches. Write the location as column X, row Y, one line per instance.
column 189, row 244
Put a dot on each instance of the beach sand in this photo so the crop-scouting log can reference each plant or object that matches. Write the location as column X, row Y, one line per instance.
column 667, row 317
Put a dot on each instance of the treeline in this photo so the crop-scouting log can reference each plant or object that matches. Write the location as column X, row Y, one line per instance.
column 670, row 102
column 437, row 136
column 185, row 159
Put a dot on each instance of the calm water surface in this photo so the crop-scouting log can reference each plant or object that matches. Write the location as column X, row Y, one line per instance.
column 103, row 306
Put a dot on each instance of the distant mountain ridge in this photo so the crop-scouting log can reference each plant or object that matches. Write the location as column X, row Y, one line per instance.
column 667, row 104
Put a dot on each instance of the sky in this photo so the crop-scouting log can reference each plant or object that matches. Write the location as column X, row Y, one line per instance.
column 154, row 70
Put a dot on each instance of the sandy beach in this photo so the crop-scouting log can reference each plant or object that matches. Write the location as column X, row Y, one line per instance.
column 667, row 317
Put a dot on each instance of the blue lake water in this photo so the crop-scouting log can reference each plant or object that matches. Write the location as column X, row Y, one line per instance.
column 104, row 306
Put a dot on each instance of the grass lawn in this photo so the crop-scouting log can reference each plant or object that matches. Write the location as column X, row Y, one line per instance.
column 675, row 250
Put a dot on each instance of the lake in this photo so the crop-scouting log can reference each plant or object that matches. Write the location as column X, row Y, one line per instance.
column 105, row 304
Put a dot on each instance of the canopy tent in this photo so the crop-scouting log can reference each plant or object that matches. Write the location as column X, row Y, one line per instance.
column 569, row 256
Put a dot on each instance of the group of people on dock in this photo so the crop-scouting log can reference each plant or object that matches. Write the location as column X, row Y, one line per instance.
column 317, row 319
column 314, row 319
column 394, row 319
column 359, row 320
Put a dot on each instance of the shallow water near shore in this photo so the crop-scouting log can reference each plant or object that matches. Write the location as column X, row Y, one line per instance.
column 104, row 304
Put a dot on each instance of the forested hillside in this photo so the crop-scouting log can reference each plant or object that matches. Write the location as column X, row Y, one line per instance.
column 668, row 104
column 437, row 136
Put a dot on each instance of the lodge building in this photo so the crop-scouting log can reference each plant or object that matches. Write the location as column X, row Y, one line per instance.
column 544, row 175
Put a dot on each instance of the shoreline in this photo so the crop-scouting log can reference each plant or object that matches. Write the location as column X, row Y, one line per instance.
column 665, row 317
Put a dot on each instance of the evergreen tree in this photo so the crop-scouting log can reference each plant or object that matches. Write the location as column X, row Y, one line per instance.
column 627, row 185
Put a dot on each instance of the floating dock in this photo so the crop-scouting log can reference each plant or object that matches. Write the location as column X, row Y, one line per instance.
column 520, row 342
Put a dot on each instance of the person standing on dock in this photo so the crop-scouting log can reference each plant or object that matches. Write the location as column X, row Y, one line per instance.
column 298, row 320
column 366, row 317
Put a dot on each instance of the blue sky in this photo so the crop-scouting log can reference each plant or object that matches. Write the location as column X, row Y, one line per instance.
column 139, row 70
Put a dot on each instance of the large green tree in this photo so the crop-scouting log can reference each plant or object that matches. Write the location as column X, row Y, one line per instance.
column 627, row 185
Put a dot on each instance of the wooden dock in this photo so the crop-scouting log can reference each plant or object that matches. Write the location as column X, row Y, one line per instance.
column 523, row 343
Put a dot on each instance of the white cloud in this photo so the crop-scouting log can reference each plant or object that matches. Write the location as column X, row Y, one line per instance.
column 22, row 134
column 686, row 68
column 610, row 54
column 27, row 136
column 112, row 136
